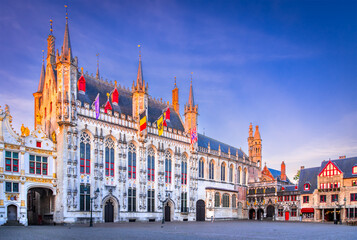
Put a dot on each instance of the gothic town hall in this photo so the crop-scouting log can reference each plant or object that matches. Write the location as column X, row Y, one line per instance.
column 75, row 161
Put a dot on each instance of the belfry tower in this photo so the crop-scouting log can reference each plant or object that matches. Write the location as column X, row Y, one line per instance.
column 191, row 111
column 255, row 145
column 139, row 91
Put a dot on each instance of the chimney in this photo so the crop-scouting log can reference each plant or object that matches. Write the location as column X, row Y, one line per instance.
column 302, row 167
column 342, row 157
column 283, row 175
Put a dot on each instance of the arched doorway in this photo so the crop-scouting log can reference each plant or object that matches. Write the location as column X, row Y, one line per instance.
column 109, row 211
column 200, row 210
column 260, row 214
column 252, row 214
column 11, row 213
column 40, row 206
column 270, row 212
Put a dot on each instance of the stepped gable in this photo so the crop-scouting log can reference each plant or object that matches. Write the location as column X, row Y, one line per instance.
column 308, row 175
column 214, row 145
column 94, row 86
column 345, row 165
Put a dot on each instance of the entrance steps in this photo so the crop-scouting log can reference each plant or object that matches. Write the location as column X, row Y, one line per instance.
column 13, row 223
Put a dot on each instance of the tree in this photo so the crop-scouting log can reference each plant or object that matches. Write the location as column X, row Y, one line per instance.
column 297, row 176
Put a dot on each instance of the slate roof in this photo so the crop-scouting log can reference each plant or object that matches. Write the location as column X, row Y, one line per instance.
column 308, row 175
column 276, row 174
column 290, row 188
column 95, row 86
column 214, row 145
column 345, row 165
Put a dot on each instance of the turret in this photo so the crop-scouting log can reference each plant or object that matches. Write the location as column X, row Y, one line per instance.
column 191, row 111
column 139, row 91
column 175, row 98
column 255, row 146
column 283, row 173
column 38, row 95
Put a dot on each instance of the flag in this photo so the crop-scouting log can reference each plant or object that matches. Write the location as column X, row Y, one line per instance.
column 193, row 135
column 107, row 105
column 96, row 106
column 142, row 121
column 166, row 116
column 160, row 124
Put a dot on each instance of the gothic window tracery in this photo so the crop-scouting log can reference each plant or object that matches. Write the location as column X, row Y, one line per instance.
column 132, row 161
column 184, row 170
column 151, row 165
column 85, row 153
column 109, row 157
column 223, row 172
column 168, row 167
column 201, row 167
column 231, row 173
column 211, row 169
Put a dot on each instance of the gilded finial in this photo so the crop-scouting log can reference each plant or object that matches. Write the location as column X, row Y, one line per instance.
column 51, row 30
column 115, row 82
column 108, row 94
column 175, row 81
column 139, row 46
column 43, row 55
column 82, row 70
column 66, row 12
column 191, row 77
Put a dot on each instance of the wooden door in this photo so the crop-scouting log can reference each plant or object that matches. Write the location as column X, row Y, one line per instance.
column 200, row 210
column 167, row 213
column 12, row 213
column 109, row 211
column 287, row 214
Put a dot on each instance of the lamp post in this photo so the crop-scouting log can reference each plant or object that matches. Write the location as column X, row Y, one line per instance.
column 91, row 206
column 340, row 207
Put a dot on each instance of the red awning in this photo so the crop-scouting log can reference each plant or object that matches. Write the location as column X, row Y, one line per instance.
column 307, row 210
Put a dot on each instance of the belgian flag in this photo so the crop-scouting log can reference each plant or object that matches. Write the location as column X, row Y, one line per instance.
column 143, row 120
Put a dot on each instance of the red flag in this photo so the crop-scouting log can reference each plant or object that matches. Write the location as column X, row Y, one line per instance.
column 166, row 117
column 194, row 137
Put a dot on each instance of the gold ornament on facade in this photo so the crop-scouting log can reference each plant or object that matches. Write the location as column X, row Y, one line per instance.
column 12, row 177
column 38, row 119
column 1, row 202
column 25, row 131
column 22, row 203
column 53, row 136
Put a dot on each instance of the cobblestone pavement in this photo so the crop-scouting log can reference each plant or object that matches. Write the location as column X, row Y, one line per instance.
column 185, row 230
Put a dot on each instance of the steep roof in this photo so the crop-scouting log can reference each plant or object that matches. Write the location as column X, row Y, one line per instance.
column 277, row 174
column 214, row 145
column 308, row 175
column 94, row 86
column 345, row 165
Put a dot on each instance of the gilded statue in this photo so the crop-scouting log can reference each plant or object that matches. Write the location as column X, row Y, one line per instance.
column 25, row 131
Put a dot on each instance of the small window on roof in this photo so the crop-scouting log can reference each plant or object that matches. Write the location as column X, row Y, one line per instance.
column 306, row 186
column 354, row 170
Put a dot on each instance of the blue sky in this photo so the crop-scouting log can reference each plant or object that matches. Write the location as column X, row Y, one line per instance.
column 288, row 66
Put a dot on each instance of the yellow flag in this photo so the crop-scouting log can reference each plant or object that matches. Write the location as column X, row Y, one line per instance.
column 160, row 126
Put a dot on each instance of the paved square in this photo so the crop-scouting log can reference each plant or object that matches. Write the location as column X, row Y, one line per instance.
column 185, row 230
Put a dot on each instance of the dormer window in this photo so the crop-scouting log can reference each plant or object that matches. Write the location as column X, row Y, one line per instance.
column 82, row 85
column 354, row 170
column 306, row 186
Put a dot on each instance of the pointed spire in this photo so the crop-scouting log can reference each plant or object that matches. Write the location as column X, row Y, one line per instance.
column 257, row 134
column 97, row 75
column 42, row 77
column 250, row 130
column 191, row 101
column 66, row 48
column 139, row 79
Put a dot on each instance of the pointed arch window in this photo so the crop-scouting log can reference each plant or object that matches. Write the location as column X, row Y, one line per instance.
column 244, row 176
column 132, row 161
column 238, row 175
column 151, row 165
column 201, row 167
column 184, row 170
column 225, row 200
column 109, row 157
column 231, row 173
column 85, row 153
column 168, row 167
column 223, row 172
column 211, row 169
column 234, row 201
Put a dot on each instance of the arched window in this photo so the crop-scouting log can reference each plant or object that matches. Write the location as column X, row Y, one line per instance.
column 132, row 200
column 217, row 200
column 201, row 167
column 109, row 157
column 223, row 172
column 238, row 174
column 151, row 165
column 211, row 169
column 132, row 161
column 225, row 200
column 168, row 167
column 84, row 153
column 184, row 170
column 231, row 173
column 234, row 201
column 244, row 176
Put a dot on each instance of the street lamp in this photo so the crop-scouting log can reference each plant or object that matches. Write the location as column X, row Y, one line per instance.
column 91, row 206
column 340, row 207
